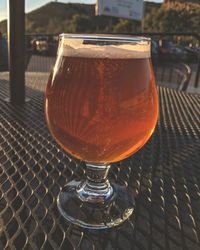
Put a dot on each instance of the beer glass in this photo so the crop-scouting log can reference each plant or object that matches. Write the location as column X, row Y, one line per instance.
column 101, row 106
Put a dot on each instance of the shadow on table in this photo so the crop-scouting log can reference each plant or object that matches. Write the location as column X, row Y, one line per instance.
column 163, row 177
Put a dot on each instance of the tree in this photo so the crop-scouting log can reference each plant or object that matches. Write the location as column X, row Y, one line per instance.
column 173, row 18
column 127, row 26
column 81, row 23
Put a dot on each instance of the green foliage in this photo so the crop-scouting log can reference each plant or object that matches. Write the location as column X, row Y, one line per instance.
column 174, row 17
column 81, row 23
column 127, row 26
column 80, row 18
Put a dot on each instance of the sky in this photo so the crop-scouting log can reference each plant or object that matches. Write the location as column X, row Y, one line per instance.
column 34, row 4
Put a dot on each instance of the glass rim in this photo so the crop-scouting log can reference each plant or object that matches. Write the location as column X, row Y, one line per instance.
column 108, row 37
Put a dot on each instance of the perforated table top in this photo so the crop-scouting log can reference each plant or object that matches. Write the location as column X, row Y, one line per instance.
column 164, row 177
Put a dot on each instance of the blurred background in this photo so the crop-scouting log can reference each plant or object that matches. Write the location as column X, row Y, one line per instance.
column 174, row 27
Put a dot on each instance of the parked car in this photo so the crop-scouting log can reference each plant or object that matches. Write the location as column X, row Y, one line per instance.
column 3, row 53
column 170, row 51
column 44, row 45
column 178, row 53
column 164, row 50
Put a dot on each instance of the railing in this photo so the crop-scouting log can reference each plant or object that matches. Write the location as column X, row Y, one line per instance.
column 173, row 75
column 170, row 69
column 177, row 36
column 186, row 78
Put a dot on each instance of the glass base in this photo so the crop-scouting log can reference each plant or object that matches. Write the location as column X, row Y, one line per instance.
column 109, row 213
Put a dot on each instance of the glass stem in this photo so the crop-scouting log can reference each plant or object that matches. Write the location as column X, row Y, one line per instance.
column 96, row 188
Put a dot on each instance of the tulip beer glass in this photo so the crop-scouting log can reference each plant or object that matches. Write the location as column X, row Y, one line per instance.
column 101, row 106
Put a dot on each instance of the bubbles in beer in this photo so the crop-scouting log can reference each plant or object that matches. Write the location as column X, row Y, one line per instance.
column 101, row 104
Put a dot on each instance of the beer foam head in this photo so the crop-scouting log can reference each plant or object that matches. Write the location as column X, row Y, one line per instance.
column 127, row 50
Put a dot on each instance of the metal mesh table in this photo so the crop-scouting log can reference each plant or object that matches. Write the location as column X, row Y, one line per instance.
column 164, row 177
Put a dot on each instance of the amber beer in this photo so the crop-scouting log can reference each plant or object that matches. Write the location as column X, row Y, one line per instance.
column 102, row 107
